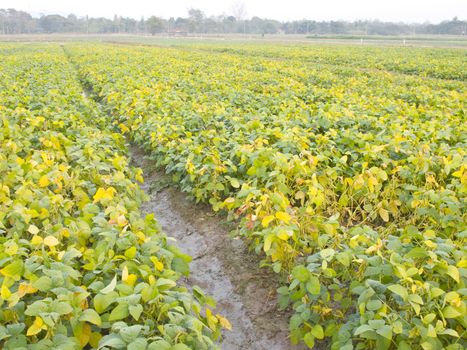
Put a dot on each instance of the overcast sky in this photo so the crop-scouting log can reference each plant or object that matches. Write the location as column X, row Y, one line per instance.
column 388, row 10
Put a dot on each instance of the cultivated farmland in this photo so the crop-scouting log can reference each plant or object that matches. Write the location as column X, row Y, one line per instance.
column 343, row 168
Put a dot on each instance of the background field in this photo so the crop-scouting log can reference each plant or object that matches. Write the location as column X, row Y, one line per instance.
column 416, row 40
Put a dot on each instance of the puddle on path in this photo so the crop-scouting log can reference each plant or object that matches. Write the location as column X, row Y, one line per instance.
column 222, row 266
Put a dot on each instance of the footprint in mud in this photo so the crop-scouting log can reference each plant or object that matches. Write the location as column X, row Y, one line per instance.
column 223, row 267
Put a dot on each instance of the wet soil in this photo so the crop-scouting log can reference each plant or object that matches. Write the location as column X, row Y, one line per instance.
column 222, row 266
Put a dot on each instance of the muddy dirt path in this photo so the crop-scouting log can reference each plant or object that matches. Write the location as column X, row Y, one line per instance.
column 221, row 266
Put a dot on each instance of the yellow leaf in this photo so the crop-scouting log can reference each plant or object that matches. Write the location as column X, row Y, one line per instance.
column 284, row 234
column 283, row 216
column 139, row 176
column 125, row 274
column 141, row 236
column 51, row 241
column 44, row 181
column 33, row 229
column 384, row 214
column 267, row 220
column 104, row 194
column 212, row 320
column 224, row 322
column 130, row 253
column 268, row 242
column 82, row 332
column 122, row 221
column 5, row 292
column 131, row 279
column 157, row 263
column 65, row 232
column 25, row 288
column 36, row 327
column 123, row 128
column 11, row 248
column 94, row 339
column 36, row 240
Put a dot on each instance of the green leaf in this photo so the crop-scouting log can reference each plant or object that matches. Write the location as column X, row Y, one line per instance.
column 428, row 318
column 417, row 252
column 451, row 312
column 268, row 242
column 180, row 265
column 36, row 308
column 454, row 273
column 397, row 327
column 13, row 270
column 450, row 332
column 102, row 301
column 362, row 329
column 399, row 290
column 385, row 331
column 112, row 341
column 160, row 345
column 234, row 183
column 436, row 292
column 300, row 273
column 431, row 332
column 119, row 312
column 138, row 344
column 313, row 286
column 415, row 298
column 318, row 331
column 44, row 283
column 403, row 346
column 309, row 340
column 374, row 305
column 135, row 311
column 110, row 287
column 327, row 253
column 62, row 308
column 91, row 316
column 164, row 283
column 180, row 347
column 344, row 258
column 130, row 333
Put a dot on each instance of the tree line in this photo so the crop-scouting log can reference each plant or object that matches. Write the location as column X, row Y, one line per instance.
column 20, row 22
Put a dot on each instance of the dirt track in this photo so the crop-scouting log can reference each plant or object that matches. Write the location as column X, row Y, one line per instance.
column 221, row 266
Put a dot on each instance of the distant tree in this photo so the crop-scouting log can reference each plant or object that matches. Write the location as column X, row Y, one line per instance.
column 17, row 22
column 155, row 25
column 229, row 24
column 195, row 20
column 53, row 23
column 182, row 24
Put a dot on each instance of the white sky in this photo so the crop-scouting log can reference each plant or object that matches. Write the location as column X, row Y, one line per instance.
column 387, row 10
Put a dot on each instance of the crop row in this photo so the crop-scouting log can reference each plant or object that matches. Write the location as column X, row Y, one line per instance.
column 351, row 183
column 433, row 63
column 80, row 267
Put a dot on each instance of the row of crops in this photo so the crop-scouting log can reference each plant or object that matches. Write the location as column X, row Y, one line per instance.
column 80, row 267
column 351, row 183
column 437, row 63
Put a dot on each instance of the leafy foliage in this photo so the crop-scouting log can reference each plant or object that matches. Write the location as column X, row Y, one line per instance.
column 80, row 267
column 350, row 181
